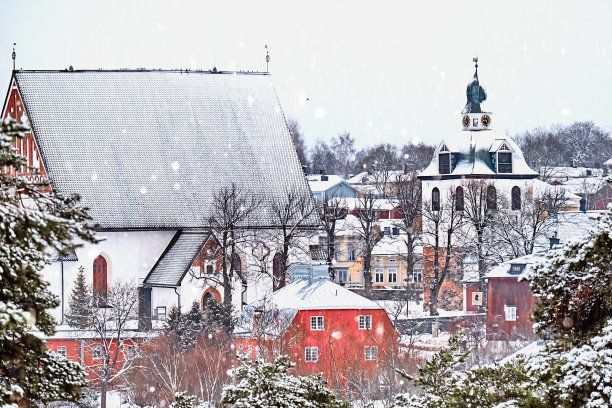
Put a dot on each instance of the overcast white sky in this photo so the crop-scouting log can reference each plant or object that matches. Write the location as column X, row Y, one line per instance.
column 384, row 71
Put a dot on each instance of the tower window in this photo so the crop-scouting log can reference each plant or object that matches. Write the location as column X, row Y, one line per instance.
column 444, row 163
column 475, row 122
column 504, row 162
column 459, row 199
column 435, row 199
column 491, row 198
column 516, row 198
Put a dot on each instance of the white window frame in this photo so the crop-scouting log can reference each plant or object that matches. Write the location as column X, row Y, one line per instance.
column 317, row 323
column 96, row 353
column 249, row 351
column 510, row 312
column 61, row 350
column 161, row 316
column 241, row 350
column 365, row 322
column 392, row 272
column 379, row 272
column 371, row 353
column 131, row 350
column 311, row 354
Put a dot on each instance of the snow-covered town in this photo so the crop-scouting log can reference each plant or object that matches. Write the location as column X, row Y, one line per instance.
column 317, row 220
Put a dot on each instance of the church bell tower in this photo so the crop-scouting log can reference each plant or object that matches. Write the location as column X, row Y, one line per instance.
column 472, row 116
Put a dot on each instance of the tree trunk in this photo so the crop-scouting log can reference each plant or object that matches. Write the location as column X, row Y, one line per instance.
column 103, row 389
column 367, row 270
column 284, row 267
column 482, row 268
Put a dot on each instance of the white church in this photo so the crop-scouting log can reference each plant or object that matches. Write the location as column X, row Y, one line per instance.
column 147, row 150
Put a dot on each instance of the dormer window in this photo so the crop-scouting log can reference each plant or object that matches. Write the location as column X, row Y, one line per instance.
column 504, row 162
column 444, row 163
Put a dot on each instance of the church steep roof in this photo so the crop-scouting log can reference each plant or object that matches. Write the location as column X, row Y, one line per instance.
column 149, row 149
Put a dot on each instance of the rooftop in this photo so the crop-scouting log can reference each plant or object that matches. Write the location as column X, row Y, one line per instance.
column 139, row 144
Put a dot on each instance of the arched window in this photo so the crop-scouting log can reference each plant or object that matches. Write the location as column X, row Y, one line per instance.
column 459, row 199
column 100, row 277
column 237, row 263
column 491, row 198
column 435, row 199
column 277, row 264
column 516, row 198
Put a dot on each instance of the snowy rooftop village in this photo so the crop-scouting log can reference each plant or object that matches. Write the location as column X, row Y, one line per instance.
column 308, row 204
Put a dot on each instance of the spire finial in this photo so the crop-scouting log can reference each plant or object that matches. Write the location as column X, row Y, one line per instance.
column 14, row 55
column 267, row 58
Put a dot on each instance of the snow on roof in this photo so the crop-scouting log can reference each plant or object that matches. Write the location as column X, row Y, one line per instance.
column 503, row 270
column 564, row 172
column 389, row 245
column 608, row 162
column 474, row 155
column 316, row 185
column 584, row 185
column 149, row 149
column 319, row 294
column 541, row 187
column 358, row 178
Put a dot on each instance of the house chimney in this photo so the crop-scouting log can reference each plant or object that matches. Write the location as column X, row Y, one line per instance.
column 583, row 204
column 321, row 172
column 405, row 168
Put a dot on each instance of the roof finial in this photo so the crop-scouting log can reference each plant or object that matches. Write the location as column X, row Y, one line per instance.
column 475, row 59
column 14, row 55
column 267, row 58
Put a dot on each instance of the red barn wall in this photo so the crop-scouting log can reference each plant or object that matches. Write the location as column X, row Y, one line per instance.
column 341, row 344
column 73, row 353
column 509, row 291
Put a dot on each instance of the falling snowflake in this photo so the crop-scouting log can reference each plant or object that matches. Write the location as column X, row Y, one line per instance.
column 177, row 186
column 94, row 177
column 176, row 166
column 143, row 190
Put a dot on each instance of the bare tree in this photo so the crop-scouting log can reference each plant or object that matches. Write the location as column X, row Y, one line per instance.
column 292, row 215
column 368, row 231
column 110, row 315
column 343, row 147
column 442, row 224
column 232, row 206
column 480, row 208
column 331, row 210
column 518, row 225
column 407, row 192
column 298, row 140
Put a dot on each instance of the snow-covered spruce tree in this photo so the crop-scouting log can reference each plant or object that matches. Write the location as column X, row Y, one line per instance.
column 574, row 293
column 267, row 385
column 182, row 400
column 79, row 305
column 32, row 222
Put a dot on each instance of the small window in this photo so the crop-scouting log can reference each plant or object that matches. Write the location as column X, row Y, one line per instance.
column 435, row 199
column 61, row 350
column 371, row 352
column 317, row 323
column 392, row 260
column 161, row 312
column 516, row 198
column 311, row 354
column 392, row 272
column 459, row 199
column 395, row 231
column 444, row 148
column 491, row 198
column 444, row 163
column 342, row 274
column 351, row 253
column 131, row 351
column 475, row 122
column 387, row 230
column 504, row 162
column 417, row 277
column 517, row 269
column 97, row 352
column 241, row 350
column 365, row 322
column 249, row 351
column 510, row 313
column 210, row 269
column 378, row 275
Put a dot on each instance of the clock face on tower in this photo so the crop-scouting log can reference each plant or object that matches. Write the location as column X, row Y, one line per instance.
column 465, row 121
column 485, row 120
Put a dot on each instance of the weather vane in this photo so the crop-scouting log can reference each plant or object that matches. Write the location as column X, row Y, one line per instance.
column 14, row 55
column 267, row 58
column 475, row 59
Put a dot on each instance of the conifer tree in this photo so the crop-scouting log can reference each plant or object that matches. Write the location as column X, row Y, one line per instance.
column 269, row 385
column 182, row 400
column 34, row 221
column 80, row 305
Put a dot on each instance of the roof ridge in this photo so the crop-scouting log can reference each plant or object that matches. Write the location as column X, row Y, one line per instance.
column 122, row 70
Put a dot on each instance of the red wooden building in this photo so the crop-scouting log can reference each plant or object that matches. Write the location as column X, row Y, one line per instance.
column 510, row 301
column 322, row 326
